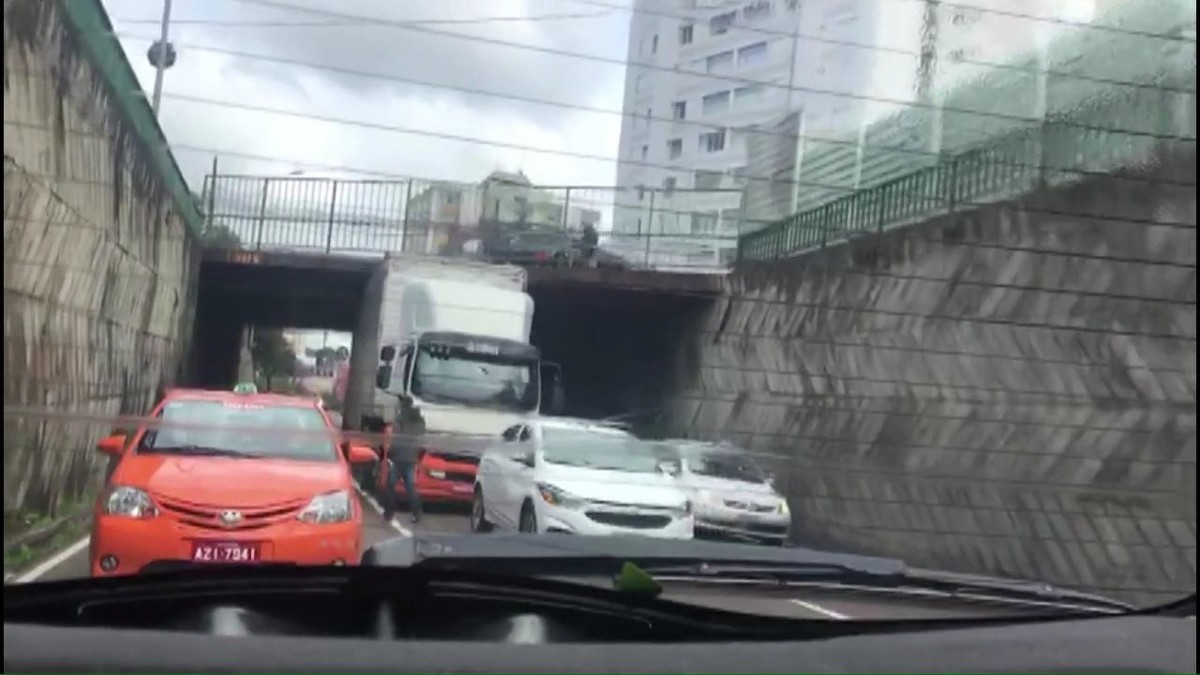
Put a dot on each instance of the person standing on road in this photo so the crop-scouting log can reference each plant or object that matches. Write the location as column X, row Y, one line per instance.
column 589, row 242
column 403, row 448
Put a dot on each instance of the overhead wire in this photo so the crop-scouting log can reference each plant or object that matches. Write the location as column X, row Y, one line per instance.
column 330, row 23
column 643, row 65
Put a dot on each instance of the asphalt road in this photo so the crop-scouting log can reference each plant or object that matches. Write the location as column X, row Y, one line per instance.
column 781, row 602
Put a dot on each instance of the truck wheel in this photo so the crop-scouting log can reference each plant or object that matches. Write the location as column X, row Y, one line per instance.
column 479, row 522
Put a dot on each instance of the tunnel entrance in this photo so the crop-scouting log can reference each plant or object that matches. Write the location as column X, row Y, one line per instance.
column 284, row 290
column 618, row 347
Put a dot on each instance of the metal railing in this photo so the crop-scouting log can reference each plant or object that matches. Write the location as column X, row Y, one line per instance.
column 642, row 228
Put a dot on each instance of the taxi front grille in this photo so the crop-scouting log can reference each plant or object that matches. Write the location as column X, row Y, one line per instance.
column 751, row 507
column 460, row 476
column 209, row 517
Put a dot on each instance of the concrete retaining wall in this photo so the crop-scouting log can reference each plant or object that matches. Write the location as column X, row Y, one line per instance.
column 99, row 265
column 1009, row 390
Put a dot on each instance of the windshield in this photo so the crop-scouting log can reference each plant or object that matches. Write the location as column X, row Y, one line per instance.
column 911, row 279
column 724, row 464
column 475, row 380
column 600, row 450
column 240, row 429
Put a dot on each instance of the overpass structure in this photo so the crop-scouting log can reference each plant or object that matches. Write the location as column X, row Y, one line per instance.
column 986, row 364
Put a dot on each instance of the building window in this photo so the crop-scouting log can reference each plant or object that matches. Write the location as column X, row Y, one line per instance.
column 748, row 95
column 645, row 151
column 654, row 45
column 707, row 180
column 686, row 34
column 715, row 104
column 641, row 192
column 721, row 23
column 679, row 110
column 718, row 62
column 712, row 141
column 752, row 55
column 793, row 5
column 704, row 223
column 756, row 10
column 669, row 185
column 675, row 148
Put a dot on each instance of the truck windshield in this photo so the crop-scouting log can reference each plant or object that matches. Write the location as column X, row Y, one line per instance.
column 472, row 379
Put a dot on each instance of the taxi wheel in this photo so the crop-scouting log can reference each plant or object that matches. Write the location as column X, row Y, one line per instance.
column 528, row 521
column 479, row 521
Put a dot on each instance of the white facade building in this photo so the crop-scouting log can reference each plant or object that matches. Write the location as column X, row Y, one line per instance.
column 728, row 64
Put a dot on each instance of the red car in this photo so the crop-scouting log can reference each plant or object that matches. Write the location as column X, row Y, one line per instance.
column 440, row 475
column 221, row 481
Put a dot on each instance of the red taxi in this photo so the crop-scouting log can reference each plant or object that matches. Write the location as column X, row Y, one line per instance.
column 228, row 477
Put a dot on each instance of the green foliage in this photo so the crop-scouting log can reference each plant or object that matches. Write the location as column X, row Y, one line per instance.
column 272, row 355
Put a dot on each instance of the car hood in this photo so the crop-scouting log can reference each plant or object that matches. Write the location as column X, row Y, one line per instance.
column 233, row 482
column 756, row 493
column 620, row 487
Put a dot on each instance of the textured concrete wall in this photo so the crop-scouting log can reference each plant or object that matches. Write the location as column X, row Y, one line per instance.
column 1008, row 391
column 98, row 264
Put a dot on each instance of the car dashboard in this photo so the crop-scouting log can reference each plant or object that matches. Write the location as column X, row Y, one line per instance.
column 470, row 623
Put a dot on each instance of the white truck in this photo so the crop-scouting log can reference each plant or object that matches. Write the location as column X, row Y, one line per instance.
column 454, row 338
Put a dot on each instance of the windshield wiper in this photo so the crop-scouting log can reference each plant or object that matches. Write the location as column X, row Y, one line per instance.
column 198, row 451
column 904, row 581
column 697, row 561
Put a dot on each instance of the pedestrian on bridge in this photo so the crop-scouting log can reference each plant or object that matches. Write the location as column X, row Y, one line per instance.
column 404, row 449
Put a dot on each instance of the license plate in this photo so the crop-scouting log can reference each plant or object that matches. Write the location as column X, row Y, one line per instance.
column 225, row 552
column 464, row 488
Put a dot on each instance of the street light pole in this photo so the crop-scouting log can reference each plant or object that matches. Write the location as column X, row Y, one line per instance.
column 161, row 66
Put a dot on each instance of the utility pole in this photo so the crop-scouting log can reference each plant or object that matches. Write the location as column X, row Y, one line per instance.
column 162, row 56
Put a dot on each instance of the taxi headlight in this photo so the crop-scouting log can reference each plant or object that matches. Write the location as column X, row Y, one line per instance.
column 331, row 507
column 556, row 496
column 129, row 502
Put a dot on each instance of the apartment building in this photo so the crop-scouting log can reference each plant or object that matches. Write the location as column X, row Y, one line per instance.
column 702, row 74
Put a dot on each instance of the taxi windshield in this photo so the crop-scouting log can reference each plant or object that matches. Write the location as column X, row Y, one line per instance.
column 240, row 429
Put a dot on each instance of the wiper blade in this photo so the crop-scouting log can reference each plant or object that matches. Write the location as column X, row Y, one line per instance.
column 198, row 451
column 903, row 580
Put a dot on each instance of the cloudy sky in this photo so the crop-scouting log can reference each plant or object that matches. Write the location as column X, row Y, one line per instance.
column 206, row 31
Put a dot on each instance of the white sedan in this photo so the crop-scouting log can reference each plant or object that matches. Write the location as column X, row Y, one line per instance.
column 733, row 496
column 572, row 477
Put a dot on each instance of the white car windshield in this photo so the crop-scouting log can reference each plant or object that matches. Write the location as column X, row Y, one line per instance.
column 599, row 450
column 725, row 464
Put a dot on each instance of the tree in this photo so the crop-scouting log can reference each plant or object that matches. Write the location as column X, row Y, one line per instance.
column 272, row 355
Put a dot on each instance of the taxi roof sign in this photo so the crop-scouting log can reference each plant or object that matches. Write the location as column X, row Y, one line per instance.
column 245, row 388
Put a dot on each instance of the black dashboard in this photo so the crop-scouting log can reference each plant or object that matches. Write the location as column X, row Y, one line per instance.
column 467, row 623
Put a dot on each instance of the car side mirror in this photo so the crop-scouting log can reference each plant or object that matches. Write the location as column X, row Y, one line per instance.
column 113, row 445
column 361, row 454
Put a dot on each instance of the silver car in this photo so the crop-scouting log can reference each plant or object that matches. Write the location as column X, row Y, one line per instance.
column 731, row 495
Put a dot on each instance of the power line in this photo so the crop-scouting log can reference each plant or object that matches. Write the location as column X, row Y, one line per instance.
column 572, row 106
column 481, row 141
column 242, row 23
column 973, row 8
column 621, row 62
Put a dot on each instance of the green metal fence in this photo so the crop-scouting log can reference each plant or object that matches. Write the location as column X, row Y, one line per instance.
column 1110, row 104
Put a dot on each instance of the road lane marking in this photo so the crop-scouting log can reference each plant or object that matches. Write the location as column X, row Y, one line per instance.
column 52, row 562
column 375, row 505
column 817, row 609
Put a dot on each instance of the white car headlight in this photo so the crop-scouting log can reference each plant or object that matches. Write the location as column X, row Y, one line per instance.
column 783, row 507
column 331, row 507
column 556, row 496
column 129, row 502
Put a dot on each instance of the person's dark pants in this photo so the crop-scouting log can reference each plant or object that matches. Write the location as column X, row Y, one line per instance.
column 397, row 471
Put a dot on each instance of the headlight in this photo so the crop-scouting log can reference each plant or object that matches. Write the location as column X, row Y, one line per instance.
column 331, row 507
column 558, row 497
column 783, row 507
column 129, row 502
